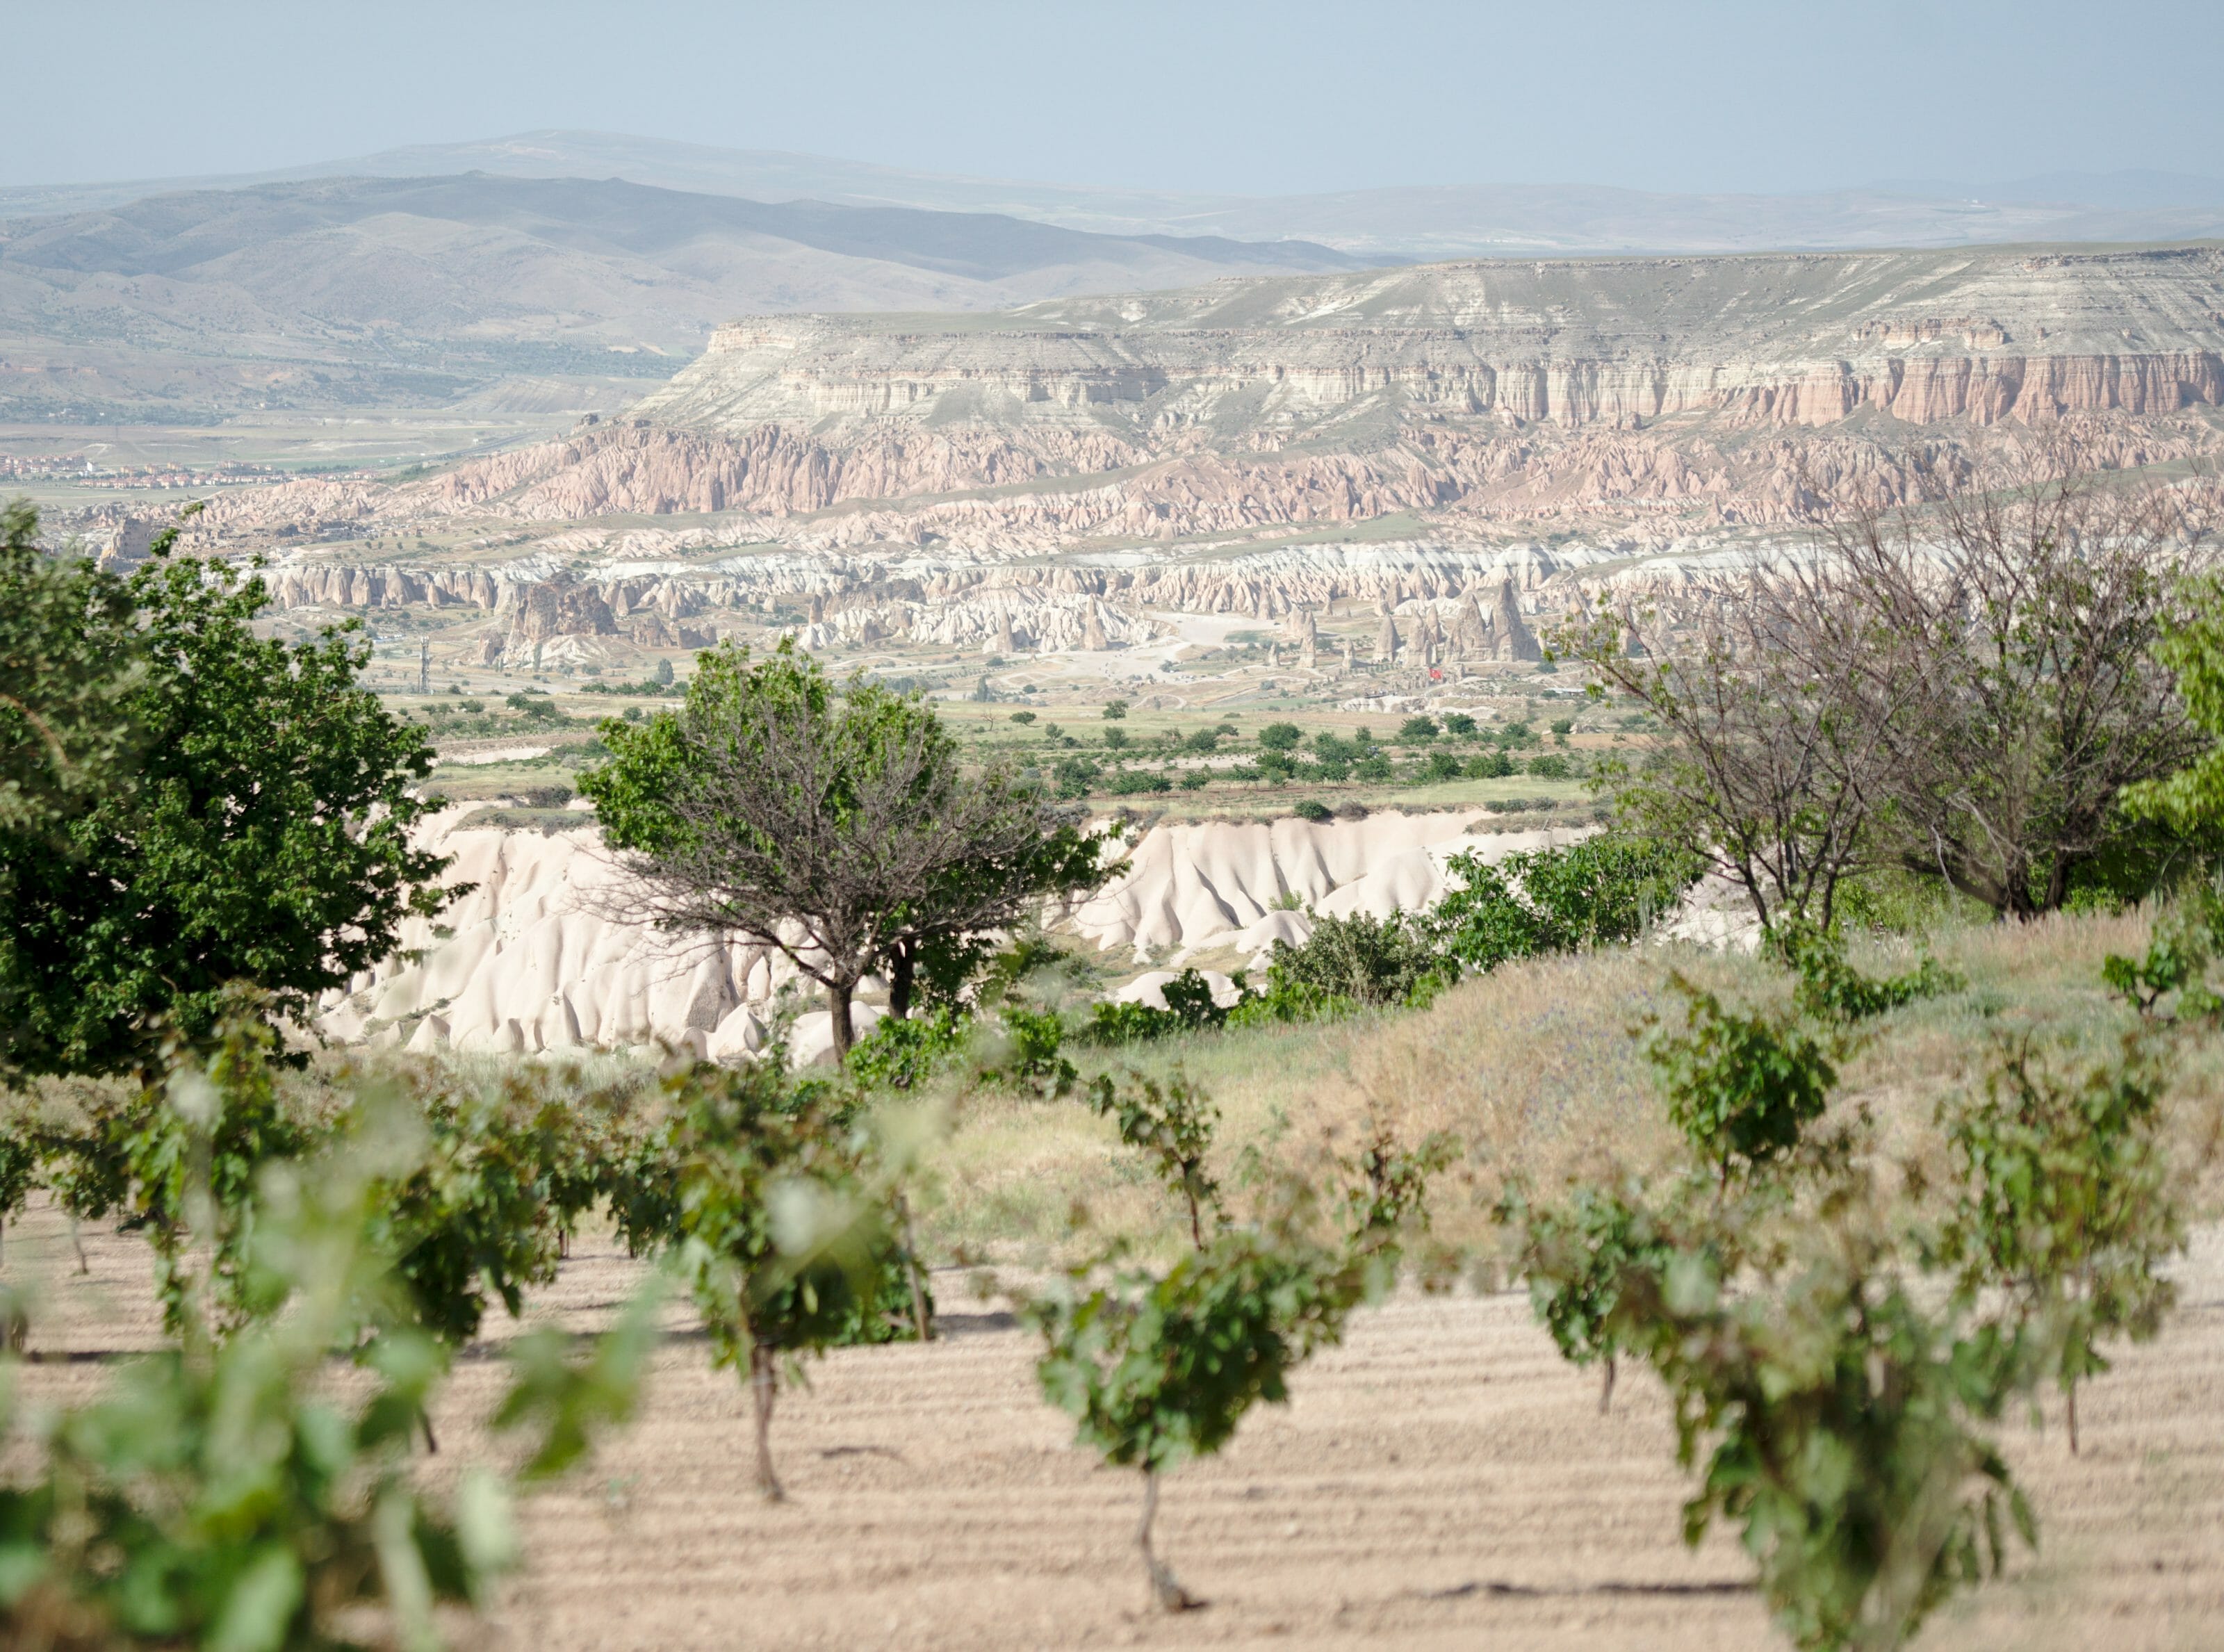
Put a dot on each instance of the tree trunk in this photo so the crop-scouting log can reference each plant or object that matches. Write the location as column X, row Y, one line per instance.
column 2071, row 1394
column 922, row 1321
column 1606, row 1389
column 903, row 966
column 838, row 1008
column 764, row 1387
column 1166, row 1593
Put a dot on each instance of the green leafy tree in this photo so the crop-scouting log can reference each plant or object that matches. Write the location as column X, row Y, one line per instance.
column 1280, row 736
column 787, row 1241
column 1159, row 1369
column 1841, row 1420
column 262, row 838
column 1574, row 1259
column 68, row 659
column 2063, row 1203
column 469, row 1221
column 212, row 1131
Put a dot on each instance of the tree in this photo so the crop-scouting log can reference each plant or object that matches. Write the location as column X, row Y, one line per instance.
column 2063, row 1202
column 786, row 1238
column 1155, row 1369
column 1173, row 1122
column 1760, row 771
column 836, row 824
column 261, row 836
column 2024, row 607
column 67, row 658
column 1964, row 685
column 1574, row 1259
column 1843, row 1413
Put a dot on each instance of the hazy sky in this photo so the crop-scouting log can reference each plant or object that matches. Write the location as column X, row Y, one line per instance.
column 1287, row 97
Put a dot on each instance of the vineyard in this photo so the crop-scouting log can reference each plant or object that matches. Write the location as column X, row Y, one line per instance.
column 1507, row 1268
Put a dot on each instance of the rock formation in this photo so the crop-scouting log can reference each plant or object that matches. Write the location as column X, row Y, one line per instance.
column 1712, row 388
column 531, row 959
column 1512, row 637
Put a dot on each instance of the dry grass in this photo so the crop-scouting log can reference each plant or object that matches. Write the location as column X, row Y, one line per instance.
column 1533, row 1070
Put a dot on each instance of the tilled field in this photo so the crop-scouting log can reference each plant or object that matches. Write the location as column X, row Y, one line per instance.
column 1442, row 1480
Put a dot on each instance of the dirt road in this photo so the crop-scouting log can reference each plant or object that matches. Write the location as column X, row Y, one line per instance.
column 1443, row 1480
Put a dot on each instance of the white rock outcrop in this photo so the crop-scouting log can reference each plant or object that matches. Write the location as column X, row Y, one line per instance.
column 533, row 958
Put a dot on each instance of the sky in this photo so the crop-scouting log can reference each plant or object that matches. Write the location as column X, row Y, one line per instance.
column 1292, row 96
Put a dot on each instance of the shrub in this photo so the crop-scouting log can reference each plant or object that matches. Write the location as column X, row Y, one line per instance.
column 1490, row 765
column 1830, row 988
column 1598, row 892
column 1416, row 730
column 1308, row 810
column 1034, row 1061
column 1113, row 710
column 902, row 1051
column 1551, row 766
column 1459, row 724
column 1740, row 1087
column 1362, row 959
column 1023, row 718
column 1280, row 737
column 1189, row 1008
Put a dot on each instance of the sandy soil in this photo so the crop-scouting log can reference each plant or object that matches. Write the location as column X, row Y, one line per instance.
column 1442, row 1480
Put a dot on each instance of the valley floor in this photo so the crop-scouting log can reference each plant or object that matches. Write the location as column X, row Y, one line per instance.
column 1443, row 1480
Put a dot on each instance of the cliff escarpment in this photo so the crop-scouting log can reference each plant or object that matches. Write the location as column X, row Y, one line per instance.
column 1495, row 387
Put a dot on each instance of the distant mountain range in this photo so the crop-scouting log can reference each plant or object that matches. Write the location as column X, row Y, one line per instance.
column 553, row 271
column 1375, row 224
column 357, row 292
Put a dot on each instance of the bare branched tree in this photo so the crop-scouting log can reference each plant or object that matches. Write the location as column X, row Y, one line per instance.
column 1763, row 769
column 837, row 824
column 1962, row 685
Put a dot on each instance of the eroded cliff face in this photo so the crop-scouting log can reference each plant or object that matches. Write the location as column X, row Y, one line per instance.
column 1496, row 389
column 1644, row 398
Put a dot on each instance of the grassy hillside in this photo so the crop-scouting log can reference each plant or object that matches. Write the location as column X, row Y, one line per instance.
column 1533, row 1070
